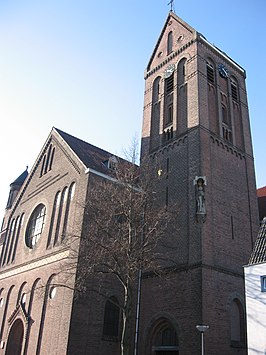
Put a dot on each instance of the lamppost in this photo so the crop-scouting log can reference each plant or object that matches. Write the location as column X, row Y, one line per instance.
column 202, row 329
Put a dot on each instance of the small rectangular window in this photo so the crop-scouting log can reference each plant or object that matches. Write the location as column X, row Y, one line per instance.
column 263, row 283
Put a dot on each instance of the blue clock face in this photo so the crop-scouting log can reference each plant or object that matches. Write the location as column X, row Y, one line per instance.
column 222, row 71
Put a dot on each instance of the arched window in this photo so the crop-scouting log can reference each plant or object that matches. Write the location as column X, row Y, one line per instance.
column 224, row 114
column 47, row 161
column 234, row 89
column 210, row 72
column 8, row 238
column 6, row 305
column 59, row 216
column 168, row 100
column 181, row 71
column 164, row 339
column 111, row 319
column 51, row 158
column 21, row 292
column 17, row 236
column 237, row 325
column 156, row 90
column 70, row 196
column 170, row 42
column 51, row 228
column 43, row 165
column 13, row 238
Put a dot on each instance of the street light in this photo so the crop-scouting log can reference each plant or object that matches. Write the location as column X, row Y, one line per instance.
column 202, row 329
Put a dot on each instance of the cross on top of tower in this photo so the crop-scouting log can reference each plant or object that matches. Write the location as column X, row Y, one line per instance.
column 171, row 3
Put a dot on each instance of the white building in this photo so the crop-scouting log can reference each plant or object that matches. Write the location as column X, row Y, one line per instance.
column 255, row 281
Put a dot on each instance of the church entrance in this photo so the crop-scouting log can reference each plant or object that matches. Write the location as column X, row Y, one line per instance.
column 164, row 340
column 15, row 338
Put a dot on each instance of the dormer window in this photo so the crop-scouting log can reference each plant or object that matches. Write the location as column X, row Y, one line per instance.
column 111, row 163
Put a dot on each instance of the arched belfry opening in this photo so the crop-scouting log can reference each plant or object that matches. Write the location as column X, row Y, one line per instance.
column 163, row 338
column 15, row 338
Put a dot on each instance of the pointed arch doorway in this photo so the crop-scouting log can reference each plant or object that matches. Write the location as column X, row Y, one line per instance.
column 15, row 338
column 164, row 339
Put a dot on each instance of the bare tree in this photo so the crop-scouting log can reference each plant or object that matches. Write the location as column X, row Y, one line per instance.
column 122, row 230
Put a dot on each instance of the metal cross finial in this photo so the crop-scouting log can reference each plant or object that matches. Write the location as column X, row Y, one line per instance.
column 171, row 3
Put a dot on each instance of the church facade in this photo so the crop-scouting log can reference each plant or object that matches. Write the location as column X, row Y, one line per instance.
column 196, row 145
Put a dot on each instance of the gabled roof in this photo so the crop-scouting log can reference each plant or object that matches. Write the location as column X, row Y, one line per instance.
column 90, row 155
column 259, row 252
column 261, row 192
column 21, row 178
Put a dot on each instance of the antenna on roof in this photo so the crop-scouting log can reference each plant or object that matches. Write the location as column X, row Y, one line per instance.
column 172, row 5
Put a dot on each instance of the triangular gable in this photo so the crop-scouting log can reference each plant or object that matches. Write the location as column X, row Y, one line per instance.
column 19, row 312
column 180, row 23
column 78, row 152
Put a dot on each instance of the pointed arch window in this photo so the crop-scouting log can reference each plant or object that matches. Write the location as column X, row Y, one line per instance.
column 17, row 236
column 237, row 324
column 168, row 100
column 6, row 247
column 70, row 196
column 111, row 319
column 13, row 238
column 59, row 216
column 234, row 90
column 47, row 160
column 181, row 71
column 165, row 339
column 210, row 72
column 170, row 42
column 55, row 206
column 156, row 90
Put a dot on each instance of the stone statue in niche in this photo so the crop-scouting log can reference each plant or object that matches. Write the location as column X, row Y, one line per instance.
column 200, row 182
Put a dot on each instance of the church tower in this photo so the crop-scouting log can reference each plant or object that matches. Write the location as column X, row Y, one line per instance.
column 196, row 139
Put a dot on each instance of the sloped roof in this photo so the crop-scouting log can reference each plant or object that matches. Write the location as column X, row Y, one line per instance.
column 259, row 252
column 91, row 156
column 261, row 192
column 21, row 178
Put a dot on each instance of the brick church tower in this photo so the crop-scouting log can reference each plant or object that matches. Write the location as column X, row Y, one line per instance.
column 196, row 137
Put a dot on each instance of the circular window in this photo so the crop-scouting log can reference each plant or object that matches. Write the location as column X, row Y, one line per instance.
column 35, row 226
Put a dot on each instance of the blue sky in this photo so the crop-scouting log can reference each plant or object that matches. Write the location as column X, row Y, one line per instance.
column 78, row 65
